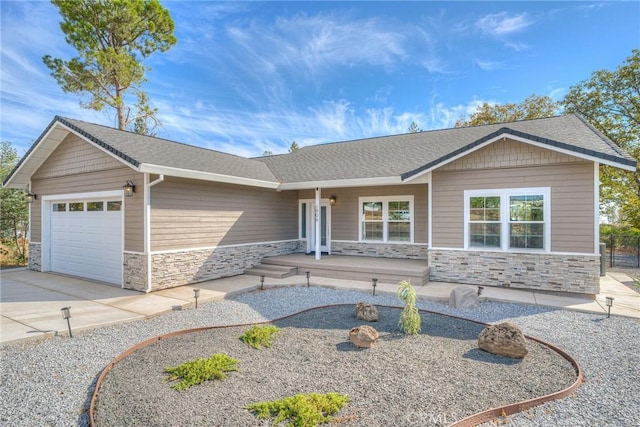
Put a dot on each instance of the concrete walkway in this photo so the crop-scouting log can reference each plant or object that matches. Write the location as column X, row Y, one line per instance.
column 30, row 301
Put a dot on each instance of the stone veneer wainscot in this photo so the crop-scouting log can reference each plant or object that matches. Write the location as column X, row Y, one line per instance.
column 535, row 271
column 172, row 269
column 380, row 250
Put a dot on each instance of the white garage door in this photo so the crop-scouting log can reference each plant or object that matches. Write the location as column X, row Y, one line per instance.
column 86, row 238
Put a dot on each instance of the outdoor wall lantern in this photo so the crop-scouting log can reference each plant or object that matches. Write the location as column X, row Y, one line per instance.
column 375, row 283
column 308, row 273
column 480, row 289
column 66, row 314
column 333, row 199
column 609, row 305
column 129, row 188
column 196, row 294
column 262, row 282
column 30, row 197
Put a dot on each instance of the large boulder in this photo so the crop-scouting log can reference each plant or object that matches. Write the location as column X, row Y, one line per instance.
column 463, row 297
column 363, row 336
column 505, row 339
column 367, row 312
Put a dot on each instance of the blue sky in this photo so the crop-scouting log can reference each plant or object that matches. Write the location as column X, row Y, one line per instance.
column 249, row 77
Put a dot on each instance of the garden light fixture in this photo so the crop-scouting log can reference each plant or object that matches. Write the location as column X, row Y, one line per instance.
column 262, row 282
column 308, row 273
column 609, row 305
column 196, row 294
column 375, row 283
column 66, row 314
column 480, row 289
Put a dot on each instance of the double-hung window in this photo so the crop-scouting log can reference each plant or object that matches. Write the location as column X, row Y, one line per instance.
column 508, row 219
column 386, row 219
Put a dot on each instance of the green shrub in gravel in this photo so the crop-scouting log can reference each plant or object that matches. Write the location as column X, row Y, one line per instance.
column 301, row 410
column 200, row 370
column 259, row 336
column 410, row 317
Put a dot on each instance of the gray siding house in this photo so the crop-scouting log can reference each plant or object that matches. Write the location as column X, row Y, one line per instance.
column 513, row 204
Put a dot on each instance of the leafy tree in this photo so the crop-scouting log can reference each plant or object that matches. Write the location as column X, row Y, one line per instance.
column 267, row 153
column 14, row 212
column 413, row 127
column 533, row 107
column 294, row 147
column 610, row 101
column 112, row 37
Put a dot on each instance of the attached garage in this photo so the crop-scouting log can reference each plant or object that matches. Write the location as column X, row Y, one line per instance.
column 84, row 236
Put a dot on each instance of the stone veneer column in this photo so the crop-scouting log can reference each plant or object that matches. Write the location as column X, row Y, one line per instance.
column 35, row 256
column 135, row 271
column 535, row 271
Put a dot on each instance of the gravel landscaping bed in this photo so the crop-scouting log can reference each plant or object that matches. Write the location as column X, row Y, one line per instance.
column 49, row 382
column 401, row 379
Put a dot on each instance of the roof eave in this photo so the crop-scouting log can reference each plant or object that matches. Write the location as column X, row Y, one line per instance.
column 342, row 183
column 206, row 176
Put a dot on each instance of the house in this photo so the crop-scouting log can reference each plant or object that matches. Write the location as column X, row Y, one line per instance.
column 512, row 204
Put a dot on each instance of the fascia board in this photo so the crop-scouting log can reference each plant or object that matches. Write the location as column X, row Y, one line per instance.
column 342, row 183
column 206, row 176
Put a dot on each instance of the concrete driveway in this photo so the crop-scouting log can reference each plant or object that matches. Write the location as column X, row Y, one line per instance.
column 30, row 303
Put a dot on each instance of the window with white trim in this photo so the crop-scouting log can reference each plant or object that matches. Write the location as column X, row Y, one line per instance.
column 508, row 219
column 386, row 219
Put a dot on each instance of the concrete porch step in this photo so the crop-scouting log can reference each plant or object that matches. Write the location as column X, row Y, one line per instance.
column 273, row 271
column 390, row 271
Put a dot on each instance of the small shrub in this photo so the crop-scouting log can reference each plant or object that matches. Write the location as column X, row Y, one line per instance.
column 259, row 336
column 200, row 370
column 306, row 410
column 410, row 317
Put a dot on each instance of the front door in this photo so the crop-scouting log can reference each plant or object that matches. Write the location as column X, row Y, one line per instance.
column 325, row 228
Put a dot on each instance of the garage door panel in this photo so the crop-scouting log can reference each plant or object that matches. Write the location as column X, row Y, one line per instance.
column 87, row 243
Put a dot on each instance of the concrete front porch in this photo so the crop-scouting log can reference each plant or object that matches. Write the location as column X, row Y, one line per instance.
column 359, row 268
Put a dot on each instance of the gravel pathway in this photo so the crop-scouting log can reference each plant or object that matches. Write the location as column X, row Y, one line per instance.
column 49, row 382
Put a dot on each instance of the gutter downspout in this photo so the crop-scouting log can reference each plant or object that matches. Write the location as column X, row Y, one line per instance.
column 147, row 222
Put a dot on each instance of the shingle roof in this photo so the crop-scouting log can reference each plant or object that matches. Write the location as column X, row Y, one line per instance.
column 400, row 156
column 140, row 149
column 407, row 154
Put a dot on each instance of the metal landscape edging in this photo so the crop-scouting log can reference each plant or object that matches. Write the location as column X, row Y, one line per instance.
column 471, row 420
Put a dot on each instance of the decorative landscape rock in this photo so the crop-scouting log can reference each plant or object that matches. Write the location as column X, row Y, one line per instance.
column 463, row 297
column 367, row 312
column 505, row 339
column 363, row 336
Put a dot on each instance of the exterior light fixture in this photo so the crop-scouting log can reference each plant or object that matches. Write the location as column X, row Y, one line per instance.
column 262, row 282
column 308, row 273
column 129, row 188
column 66, row 314
column 375, row 283
column 609, row 305
column 30, row 197
column 196, row 294
column 333, row 199
column 480, row 289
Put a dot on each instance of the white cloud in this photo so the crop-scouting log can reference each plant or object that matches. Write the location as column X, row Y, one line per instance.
column 501, row 24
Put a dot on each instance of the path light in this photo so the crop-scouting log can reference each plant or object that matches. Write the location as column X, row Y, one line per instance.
column 307, row 273
column 375, row 283
column 480, row 289
column 66, row 314
column 262, row 282
column 609, row 305
column 196, row 294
